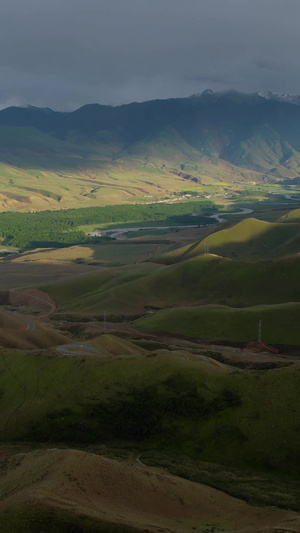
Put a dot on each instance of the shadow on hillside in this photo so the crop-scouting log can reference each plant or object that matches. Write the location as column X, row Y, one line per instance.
column 13, row 274
column 249, row 240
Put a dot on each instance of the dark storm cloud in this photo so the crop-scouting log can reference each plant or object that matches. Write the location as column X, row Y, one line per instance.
column 64, row 53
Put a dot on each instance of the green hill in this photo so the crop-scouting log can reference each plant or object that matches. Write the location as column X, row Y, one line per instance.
column 221, row 323
column 250, row 240
column 292, row 216
column 198, row 281
column 240, row 419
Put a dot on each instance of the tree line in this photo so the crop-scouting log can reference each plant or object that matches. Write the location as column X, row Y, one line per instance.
column 60, row 228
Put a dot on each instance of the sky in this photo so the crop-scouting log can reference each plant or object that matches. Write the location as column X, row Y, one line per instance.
column 66, row 53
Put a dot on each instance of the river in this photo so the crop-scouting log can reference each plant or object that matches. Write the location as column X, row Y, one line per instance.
column 120, row 233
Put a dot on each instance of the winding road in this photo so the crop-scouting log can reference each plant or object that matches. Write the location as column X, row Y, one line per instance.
column 77, row 349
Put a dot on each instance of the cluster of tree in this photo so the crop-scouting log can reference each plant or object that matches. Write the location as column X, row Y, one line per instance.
column 59, row 228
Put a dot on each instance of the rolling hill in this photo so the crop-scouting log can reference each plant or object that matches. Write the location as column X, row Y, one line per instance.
column 140, row 390
column 250, row 240
column 202, row 280
column 220, row 323
column 19, row 331
column 161, row 403
column 112, row 492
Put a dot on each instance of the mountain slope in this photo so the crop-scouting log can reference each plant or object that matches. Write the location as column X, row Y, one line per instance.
column 202, row 280
column 221, row 323
column 112, row 154
column 17, row 331
column 249, row 240
column 131, row 494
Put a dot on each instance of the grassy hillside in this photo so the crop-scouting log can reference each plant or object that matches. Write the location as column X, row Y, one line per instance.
column 161, row 401
column 77, row 292
column 119, row 253
column 292, row 216
column 216, row 322
column 19, row 331
column 41, row 172
column 248, row 240
column 32, row 517
column 113, row 345
column 202, row 280
column 265, row 149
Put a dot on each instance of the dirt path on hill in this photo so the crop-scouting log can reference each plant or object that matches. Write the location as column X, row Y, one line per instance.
column 33, row 297
column 78, row 349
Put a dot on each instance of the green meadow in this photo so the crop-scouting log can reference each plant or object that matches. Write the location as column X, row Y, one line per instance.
column 221, row 323
column 159, row 402
column 250, row 240
column 206, row 279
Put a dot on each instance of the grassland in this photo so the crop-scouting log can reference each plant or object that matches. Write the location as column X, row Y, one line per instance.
column 291, row 216
column 249, row 240
column 36, row 517
column 40, row 172
column 120, row 253
column 72, row 181
column 160, row 397
column 221, row 323
column 206, row 279
column 93, row 400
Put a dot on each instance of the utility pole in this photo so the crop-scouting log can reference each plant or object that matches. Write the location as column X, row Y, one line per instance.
column 259, row 331
column 104, row 320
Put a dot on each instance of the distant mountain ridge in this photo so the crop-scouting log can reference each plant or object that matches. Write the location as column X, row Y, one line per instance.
column 226, row 136
column 281, row 97
column 267, row 95
column 214, row 123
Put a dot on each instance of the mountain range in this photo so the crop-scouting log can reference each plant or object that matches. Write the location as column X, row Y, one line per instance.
column 149, row 149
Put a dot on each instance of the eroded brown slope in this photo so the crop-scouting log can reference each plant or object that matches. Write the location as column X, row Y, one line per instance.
column 133, row 494
column 20, row 331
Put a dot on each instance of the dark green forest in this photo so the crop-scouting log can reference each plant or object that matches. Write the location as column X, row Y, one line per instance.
column 60, row 228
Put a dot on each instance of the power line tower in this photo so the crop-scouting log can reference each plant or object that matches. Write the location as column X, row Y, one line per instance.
column 206, row 248
column 259, row 332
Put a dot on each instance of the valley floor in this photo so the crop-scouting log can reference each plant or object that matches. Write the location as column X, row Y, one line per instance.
column 118, row 416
